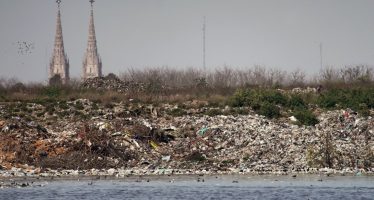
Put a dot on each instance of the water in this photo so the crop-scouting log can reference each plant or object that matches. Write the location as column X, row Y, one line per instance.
column 187, row 187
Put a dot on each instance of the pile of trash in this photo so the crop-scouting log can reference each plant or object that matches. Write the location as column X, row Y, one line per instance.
column 257, row 144
column 144, row 138
column 112, row 83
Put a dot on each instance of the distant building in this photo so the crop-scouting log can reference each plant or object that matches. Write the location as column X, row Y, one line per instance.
column 59, row 64
column 92, row 66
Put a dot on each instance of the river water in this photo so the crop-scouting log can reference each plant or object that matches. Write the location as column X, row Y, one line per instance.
column 200, row 187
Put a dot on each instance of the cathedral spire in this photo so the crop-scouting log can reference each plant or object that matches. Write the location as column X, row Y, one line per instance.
column 59, row 65
column 92, row 66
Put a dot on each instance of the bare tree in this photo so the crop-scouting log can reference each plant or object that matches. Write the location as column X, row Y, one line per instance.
column 354, row 74
column 275, row 77
column 259, row 75
column 297, row 78
column 329, row 75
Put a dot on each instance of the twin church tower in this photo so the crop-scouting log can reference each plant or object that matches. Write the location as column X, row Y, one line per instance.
column 59, row 65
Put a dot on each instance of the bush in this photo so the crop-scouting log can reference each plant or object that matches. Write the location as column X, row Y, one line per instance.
column 364, row 110
column 19, row 87
column 347, row 98
column 236, row 111
column 55, row 80
column 306, row 117
column 50, row 109
column 213, row 112
column 272, row 96
column 109, row 105
column 177, row 112
column 297, row 102
column 52, row 91
column 63, row 105
column 249, row 97
column 196, row 157
column 269, row 110
column 79, row 106
column 112, row 76
column 240, row 98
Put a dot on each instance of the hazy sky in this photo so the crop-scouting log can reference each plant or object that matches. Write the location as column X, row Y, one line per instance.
column 282, row 34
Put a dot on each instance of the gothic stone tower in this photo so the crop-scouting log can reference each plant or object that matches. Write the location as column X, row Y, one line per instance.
column 92, row 66
column 59, row 64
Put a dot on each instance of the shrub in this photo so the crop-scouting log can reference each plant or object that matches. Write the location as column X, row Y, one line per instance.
column 296, row 102
column 240, row 98
column 39, row 114
column 50, row 109
column 63, row 105
column 2, row 98
column 52, row 91
column 55, row 80
column 79, row 106
column 19, row 87
column 63, row 114
column 196, row 157
column 236, row 111
column 249, row 97
column 269, row 110
column 364, row 110
column 95, row 106
column 176, row 112
column 112, row 76
column 109, row 105
column 327, row 101
column 347, row 98
column 273, row 97
column 213, row 112
column 306, row 117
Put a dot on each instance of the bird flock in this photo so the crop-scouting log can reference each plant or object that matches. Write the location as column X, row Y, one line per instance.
column 24, row 48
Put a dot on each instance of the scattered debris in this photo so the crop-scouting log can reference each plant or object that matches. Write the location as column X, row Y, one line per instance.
column 79, row 138
column 112, row 83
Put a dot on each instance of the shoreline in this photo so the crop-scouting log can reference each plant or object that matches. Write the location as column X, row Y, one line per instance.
column 20, row 174
column 44, row 179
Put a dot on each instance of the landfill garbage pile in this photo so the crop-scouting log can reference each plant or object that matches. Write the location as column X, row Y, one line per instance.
column 81, row 135
column 252, row 143
column 112, row 83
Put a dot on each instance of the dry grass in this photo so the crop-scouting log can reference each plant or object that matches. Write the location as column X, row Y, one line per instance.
column 180, row 85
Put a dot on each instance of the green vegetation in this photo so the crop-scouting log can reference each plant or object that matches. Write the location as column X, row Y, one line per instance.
column 354, row 98
column 296, row 102
column 51, row 91
column 196, row 157
column 265, row 91
column 271, row 103
column 213, row 112
column 176, row 112
column 78, row 105
column 306, row 117
column 264, row 101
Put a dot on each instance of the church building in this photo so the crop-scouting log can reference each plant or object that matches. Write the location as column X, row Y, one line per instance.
column 59, row 64
column 92, row 66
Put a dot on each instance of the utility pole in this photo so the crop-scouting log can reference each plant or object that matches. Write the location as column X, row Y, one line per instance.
column 46, row 62
column 320, row 54
column 204, row 39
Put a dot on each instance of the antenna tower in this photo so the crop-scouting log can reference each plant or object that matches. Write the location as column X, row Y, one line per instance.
column 204, row 39
column 320, row 54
